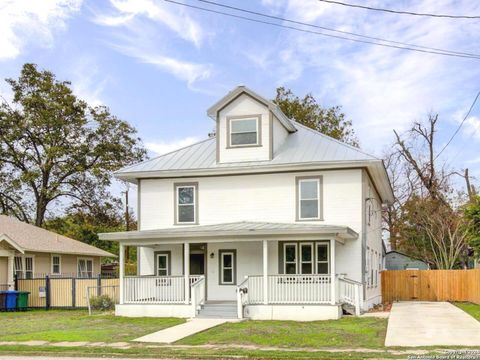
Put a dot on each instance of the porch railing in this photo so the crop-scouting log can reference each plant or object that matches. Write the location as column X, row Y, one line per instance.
column 197, row 291
column 154, row 289
column 350, row 292
column 290, row 289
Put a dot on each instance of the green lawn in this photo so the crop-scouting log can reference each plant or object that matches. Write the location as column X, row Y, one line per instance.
column 76, row 325
column 347, row 332
column 470, row 308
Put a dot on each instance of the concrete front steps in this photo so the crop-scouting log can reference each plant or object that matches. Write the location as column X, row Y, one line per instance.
column 218, row 310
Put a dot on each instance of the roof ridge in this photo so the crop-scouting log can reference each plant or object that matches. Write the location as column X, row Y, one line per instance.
column 333, row 139
column 162, row 155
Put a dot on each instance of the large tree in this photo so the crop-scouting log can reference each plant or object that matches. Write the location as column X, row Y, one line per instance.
column 307, row 111
column 55, row 148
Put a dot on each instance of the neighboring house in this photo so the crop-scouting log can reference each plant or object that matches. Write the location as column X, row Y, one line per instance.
column 29, row 251
column 269, row 217
column 395, row 260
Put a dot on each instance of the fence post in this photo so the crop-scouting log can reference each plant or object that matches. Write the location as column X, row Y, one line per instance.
column 99, row 285
column 47, row 292
column 74, row 292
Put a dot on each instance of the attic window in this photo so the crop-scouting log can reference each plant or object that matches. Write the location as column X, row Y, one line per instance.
column 244, row 131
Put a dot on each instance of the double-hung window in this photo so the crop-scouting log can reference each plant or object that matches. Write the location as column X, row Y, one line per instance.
column 322, row 258
column 306, row 258
column 244, row 131
column 56, row 265
column 23, row 267
column 186, row 198
column 85, row 268
column 309, row 198
column 290, row 257
column 227, row 267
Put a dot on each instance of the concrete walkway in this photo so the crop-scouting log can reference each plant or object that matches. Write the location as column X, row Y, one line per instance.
column 431, row 324
column 175, row 333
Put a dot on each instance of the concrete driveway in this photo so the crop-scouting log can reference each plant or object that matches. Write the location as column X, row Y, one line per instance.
column 431, row 324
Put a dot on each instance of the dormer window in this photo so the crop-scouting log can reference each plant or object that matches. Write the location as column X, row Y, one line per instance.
column 243, row 131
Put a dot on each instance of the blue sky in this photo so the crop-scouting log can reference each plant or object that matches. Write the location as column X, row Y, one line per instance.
column 160, row 66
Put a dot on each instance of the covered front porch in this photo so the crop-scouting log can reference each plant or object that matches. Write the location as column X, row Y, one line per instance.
column 263, row 270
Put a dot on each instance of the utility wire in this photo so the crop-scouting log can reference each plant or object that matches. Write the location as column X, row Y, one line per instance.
column 402, row 12
column 459, row 126
column 477, row 57
column 331, row 29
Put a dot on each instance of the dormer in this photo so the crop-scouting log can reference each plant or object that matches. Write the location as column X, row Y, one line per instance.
column 248, row 127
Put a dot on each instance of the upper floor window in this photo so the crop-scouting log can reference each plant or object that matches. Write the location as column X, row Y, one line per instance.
column 186, row 203
column 309, row 198
column 244, row 131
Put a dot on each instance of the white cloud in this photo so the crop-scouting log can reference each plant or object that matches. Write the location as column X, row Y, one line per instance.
column 173, row 17
column 472, row 127
column 379, row 88
column 163, row 147
column 24, row 22
column 88, row 83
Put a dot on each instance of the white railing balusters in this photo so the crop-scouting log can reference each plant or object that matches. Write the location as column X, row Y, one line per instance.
column 153, row 289
column 350, row 293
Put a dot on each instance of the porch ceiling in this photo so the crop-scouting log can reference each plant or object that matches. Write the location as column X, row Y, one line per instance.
column 245, row 230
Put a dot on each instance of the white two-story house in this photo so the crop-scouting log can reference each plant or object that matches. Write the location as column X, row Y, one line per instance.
column 268, row 219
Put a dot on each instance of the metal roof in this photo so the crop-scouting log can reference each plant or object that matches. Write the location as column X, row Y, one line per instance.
column 303, row 146
column 26, row 237
column 242, row 229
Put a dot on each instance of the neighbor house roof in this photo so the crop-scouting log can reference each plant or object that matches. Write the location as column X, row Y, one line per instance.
column 302, row 149
column 26, row 237
column 236, row 231
column 240, row 90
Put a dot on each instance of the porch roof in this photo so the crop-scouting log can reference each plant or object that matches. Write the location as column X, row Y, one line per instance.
column 244, row 230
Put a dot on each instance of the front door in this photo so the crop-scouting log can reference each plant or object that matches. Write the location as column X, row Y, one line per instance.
column 197, row 264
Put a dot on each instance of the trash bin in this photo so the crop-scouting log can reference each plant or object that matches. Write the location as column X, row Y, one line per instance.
column 11, row 300
column 3, row 298
column 22, row 300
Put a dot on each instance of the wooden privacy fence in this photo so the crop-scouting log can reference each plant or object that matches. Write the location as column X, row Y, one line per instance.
column 62, row 292
column 431, row 285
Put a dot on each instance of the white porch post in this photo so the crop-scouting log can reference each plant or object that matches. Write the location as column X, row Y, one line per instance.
column 186, row 270
column 332, row 272
column 121, row 271
column 10, row 279
column 265, row 272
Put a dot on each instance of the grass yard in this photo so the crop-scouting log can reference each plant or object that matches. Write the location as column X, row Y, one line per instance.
column 76, row 325
column 470, row 308
column 347, row 332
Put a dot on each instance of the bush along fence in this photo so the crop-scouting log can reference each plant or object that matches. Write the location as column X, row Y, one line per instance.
column 65, row 292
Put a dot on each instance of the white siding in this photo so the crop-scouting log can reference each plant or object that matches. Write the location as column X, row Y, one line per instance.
column 244, row 105
column 279, row 135
column 373, row 251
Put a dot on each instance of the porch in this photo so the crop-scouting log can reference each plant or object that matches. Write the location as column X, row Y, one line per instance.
column 287, row 272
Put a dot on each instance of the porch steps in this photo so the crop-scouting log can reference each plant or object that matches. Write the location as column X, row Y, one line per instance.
column 218, row 310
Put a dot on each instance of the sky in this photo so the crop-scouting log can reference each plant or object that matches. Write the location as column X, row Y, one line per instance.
column 160, row 65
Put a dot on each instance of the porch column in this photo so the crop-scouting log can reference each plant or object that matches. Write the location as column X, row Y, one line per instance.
column 186, row 270
column 265, row 272
column 10, row 279
column 121, row 270
column 332, row 272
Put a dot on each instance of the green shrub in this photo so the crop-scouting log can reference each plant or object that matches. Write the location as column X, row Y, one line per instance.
column 102, row 303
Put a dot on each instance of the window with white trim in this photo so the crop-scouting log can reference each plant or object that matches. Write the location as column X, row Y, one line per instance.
column 186, row 204
column 163, row 264
column 56, row 264
column 227, row 267
column 244, row 132
column 323, row 265
column 23, row 267
column 309, row 199
column 85, row 268
column 290, row 258
column 306, row 258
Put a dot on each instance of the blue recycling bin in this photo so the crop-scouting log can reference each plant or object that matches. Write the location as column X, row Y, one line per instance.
column 10, row 300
